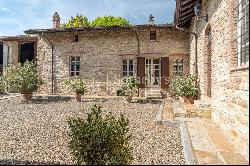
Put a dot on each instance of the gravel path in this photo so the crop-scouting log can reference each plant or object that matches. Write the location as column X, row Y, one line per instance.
column 36, row 133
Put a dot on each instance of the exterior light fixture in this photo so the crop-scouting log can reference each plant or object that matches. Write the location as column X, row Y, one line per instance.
column 197, row 12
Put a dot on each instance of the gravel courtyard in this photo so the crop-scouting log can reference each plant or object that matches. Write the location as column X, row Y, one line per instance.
column 36, row 132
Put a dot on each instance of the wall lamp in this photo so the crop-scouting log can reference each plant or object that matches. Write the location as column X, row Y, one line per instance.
column 197, row 12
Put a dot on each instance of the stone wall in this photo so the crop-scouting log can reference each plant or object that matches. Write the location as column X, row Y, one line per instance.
column 229, row 83
column 101, row 54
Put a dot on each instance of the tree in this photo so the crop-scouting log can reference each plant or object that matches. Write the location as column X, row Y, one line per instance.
column 76, row 22
column 109, row 21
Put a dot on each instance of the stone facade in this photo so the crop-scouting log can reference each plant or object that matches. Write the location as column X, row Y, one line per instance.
column 218, row 70
column 101, row 54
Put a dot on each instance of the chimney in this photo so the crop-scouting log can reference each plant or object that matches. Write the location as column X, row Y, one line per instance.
column 56, row 21
column 151, row 20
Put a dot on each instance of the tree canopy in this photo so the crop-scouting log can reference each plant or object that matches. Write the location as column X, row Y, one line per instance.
column 105, row 21
column 109, row 21
column 76, row 22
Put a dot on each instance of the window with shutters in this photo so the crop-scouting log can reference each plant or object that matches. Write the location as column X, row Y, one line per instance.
column 243, row 32
column 128, row 67
column 178, row 68
column 74, row 66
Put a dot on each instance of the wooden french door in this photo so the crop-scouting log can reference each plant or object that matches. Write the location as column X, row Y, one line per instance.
column 152, row 69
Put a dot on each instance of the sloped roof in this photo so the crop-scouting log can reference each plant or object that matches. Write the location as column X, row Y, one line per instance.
column 18, row 38
column 53, row 30
column 184, row 12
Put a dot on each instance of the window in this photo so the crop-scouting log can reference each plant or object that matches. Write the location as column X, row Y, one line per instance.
column 76, row 38
column 128, row 68
column 178, row 68
column 243, row 32
column 152, row 35
column 74, row 66
column 209, row 37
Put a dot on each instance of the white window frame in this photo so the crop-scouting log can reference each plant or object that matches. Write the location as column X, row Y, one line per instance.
column 75, row 61
column 240, row 35
column 127, row 72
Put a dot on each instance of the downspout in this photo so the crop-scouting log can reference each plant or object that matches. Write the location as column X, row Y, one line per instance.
column 138, row 42
column 196, row 51
column 52, row 63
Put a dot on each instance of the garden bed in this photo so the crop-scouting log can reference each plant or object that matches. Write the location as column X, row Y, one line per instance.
column 36, row 132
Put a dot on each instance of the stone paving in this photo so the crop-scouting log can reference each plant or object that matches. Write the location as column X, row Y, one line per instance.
column 210, row 146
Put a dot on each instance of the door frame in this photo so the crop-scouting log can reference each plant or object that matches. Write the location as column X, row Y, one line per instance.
column 146, row 74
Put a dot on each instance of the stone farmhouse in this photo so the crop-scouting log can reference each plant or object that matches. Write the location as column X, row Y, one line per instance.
column 210, row 39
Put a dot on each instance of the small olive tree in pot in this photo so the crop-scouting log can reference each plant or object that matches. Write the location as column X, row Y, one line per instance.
column 130, row 87
column 21, row 78
column 185, row 87
column 78, row 85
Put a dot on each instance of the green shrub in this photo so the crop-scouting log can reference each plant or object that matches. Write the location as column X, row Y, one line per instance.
column 184, row 87
column 130, row 86
column 100, row 141
column 76, row 84
column 21, row 78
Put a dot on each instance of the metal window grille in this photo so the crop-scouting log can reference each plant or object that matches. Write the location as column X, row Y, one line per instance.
column 128, row 67
column 178, row 68
column 243, row 32
column 74, row 66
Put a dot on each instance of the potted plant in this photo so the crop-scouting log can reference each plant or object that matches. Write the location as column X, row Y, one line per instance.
column 129, row 87
column 78, row 85
column 185, row 87
column 21, row 78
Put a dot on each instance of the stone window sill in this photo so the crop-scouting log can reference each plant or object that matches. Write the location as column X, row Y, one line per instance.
column 240, row 68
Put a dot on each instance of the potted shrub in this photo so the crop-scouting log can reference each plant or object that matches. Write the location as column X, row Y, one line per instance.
column 21, row 78
column 129, row 87
column 185, row 87
column 78, row 85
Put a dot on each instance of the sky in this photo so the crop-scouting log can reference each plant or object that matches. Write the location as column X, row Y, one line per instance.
column 17, row 16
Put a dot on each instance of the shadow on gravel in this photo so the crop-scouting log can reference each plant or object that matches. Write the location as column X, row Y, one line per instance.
column 46, row 101
column 147, row 101
column 19, row 162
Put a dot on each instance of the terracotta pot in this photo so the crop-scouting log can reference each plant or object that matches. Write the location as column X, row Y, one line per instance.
column 129, row 99
column 27, row 96
column 188, row 100
column 78, row 97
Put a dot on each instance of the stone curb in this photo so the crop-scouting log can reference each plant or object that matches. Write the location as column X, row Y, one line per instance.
column 10, row 96
column 187, row 146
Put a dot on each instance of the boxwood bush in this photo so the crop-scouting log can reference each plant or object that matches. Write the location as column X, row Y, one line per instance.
column 100, row 140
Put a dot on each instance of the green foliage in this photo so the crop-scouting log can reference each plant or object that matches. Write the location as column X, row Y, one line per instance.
column 1, row 83
column 109, row 21
column 21, row 78
column 76, row 22
column 105, row 21
column 130, row 86
column 100, row 141
column 76, row 84
column 184, row 87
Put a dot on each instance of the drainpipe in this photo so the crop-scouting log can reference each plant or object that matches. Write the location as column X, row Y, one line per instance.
column 138, row 42
column 52, row 63
column 196, row 50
